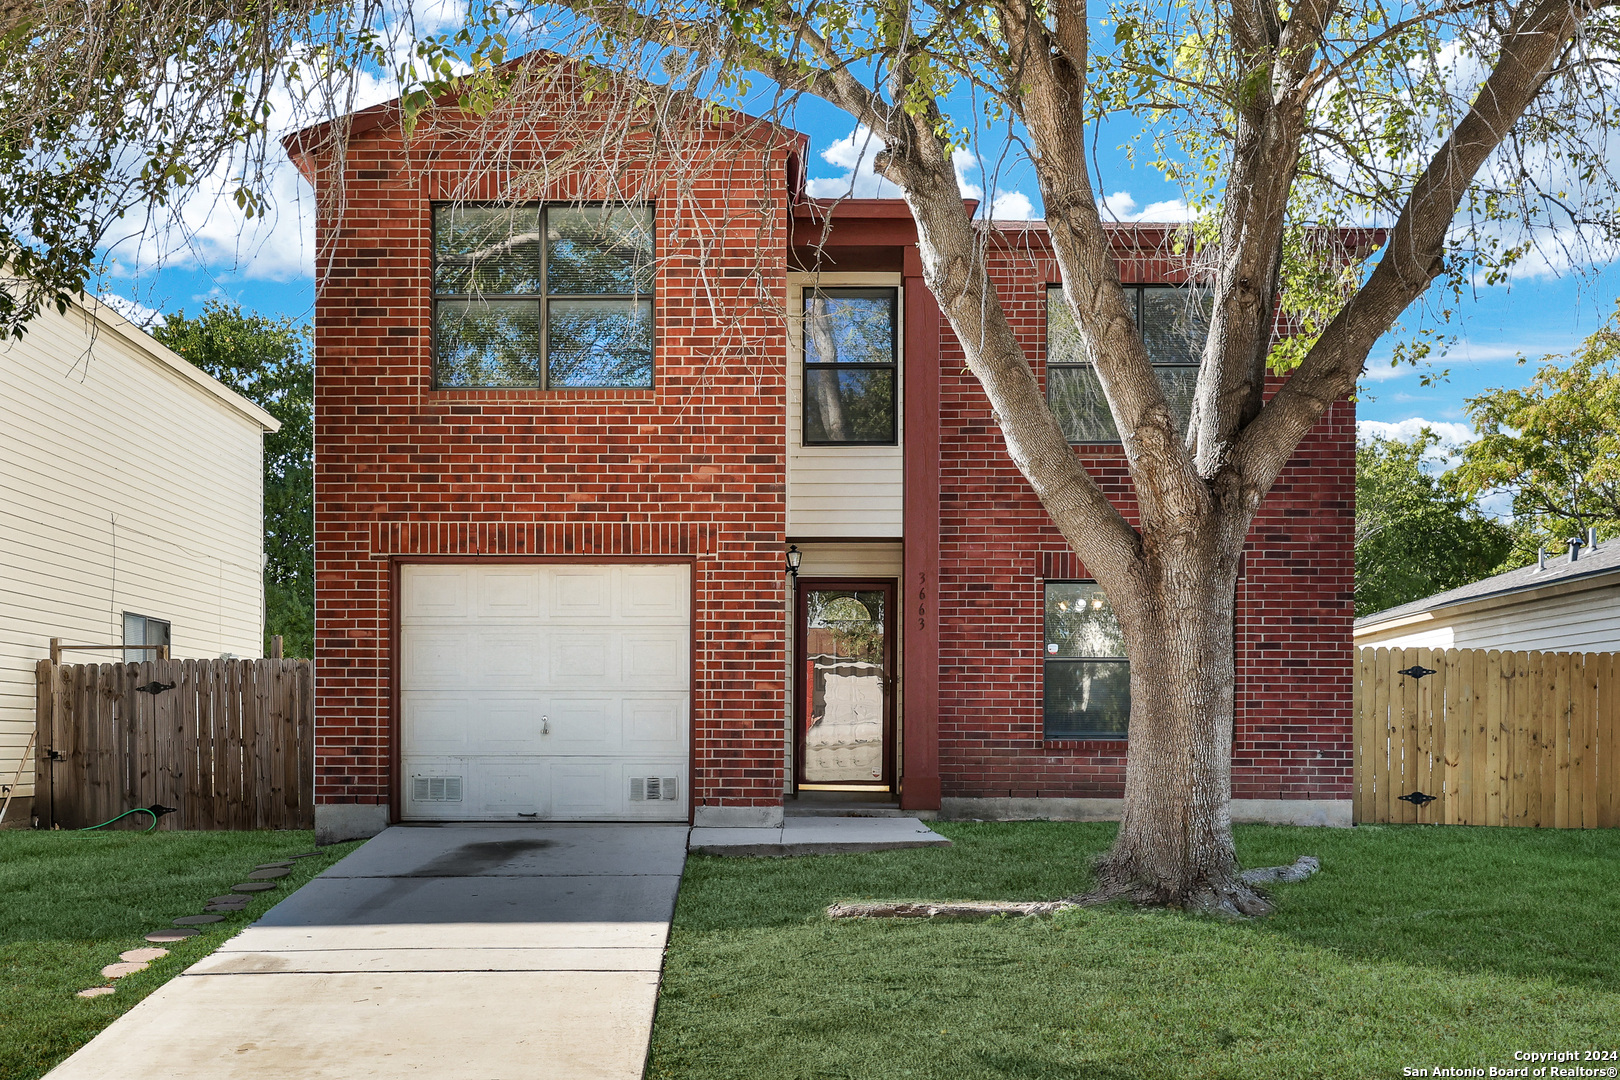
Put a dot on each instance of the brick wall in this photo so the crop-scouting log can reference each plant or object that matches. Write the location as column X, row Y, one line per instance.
column 692, row 469
column 1293, row 731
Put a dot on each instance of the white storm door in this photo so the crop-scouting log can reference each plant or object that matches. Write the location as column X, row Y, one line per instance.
column 544, row 691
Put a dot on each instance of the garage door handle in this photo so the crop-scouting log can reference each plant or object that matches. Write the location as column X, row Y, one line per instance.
column 545, row 725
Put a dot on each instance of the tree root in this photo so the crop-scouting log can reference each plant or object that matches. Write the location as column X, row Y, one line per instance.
column 1239, row 900
column 1302, row 868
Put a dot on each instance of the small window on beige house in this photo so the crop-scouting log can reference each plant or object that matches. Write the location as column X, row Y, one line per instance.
column 142, row 637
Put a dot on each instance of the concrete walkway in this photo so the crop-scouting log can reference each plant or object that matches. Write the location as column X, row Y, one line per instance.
column 456, row 953
column 819, row 836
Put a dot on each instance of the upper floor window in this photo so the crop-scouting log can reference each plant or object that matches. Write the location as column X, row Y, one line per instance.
column 555, row 297
column 139, row 630
column 1174, row 321
column 851, row 365
column 1086, row 677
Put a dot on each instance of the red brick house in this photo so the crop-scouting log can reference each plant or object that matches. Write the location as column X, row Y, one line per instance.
column 565, row 444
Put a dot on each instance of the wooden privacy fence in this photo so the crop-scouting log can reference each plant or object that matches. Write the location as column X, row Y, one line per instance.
column 1498, row 738
column 229, row 743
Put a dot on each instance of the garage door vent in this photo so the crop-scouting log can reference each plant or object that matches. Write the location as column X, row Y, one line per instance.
column 436, row 789
column 654, row 789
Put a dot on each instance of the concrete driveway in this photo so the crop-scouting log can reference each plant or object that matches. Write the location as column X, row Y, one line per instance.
column 457, row 953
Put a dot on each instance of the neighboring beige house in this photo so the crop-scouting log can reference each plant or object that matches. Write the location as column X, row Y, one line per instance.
column 1564, row 605
column 131, row 509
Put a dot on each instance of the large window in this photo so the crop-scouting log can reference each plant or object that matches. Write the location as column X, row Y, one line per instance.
column 850, row 366
column 1174, row 322
column 140, row 630
column 556, row 297
column 1087, row 678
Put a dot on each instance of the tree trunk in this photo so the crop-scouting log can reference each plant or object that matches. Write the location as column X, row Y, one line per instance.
column 1174, row 845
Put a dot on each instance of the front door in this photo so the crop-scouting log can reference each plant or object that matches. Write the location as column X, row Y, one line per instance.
column 845, row 687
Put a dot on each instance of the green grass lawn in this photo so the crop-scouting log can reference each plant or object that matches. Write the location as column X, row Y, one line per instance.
column 70, row 902
column 1414, row 946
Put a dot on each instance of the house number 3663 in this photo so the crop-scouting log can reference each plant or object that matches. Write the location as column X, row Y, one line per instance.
column 922, row 600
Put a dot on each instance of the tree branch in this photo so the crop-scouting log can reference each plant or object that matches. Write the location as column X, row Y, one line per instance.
column 1413, row 255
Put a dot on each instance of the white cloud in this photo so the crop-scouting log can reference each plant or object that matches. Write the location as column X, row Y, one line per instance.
column 1121, row 207
column 1406, row 430
column 1012, row 206
column 855, row 153
column 205, row 229
column 133, row 310
column 1383, row 372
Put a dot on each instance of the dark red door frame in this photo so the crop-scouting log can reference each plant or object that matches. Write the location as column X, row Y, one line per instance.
column 919, row 587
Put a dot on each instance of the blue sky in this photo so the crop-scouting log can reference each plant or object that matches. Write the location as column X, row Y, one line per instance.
column 266, row 267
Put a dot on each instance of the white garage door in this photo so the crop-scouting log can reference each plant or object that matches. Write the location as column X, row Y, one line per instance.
column 544, row 692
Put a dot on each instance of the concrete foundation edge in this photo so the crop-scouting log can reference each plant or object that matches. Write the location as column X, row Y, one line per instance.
column 348, row 821
column 772, row 851
column 738, row 817
column 1333, row 813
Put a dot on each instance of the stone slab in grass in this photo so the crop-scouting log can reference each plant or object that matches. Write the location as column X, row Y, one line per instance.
column 261, row 875
column 197, row 920
column 122, row 968
column 142, row 956
column 177, row 934
column 253, row 886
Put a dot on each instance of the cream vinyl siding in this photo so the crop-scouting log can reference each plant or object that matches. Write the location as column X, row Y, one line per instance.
column 1584, row 621
column 129, row 481
column 841, row 490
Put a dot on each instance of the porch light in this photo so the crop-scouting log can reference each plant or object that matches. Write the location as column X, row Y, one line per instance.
column 794, row 558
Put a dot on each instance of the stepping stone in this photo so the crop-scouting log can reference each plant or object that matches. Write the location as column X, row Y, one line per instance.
column 197, row 920
column 95, row 991
column 272, row 866
column 259, row 875
column 229, row 898
column 118, row 971
column 171, row 935
column 223, row 909
column 253, row 886
column 143, row 956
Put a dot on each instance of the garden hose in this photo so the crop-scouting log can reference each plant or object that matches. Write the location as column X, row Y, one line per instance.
column 156, row 810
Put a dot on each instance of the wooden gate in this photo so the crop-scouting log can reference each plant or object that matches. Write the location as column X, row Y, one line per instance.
column 228, row 743
column 1498, row 738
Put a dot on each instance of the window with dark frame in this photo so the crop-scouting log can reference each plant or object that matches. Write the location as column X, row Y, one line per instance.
column 851, row 367
column 1174, row 321
column 552, row 297
column 1086, row 677
column 141, row 630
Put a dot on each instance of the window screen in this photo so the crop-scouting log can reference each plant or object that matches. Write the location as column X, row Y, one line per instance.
column 1174, row 322
column 850, row 366
column 543, row 296
column 1087, row 680
column 141, row 630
